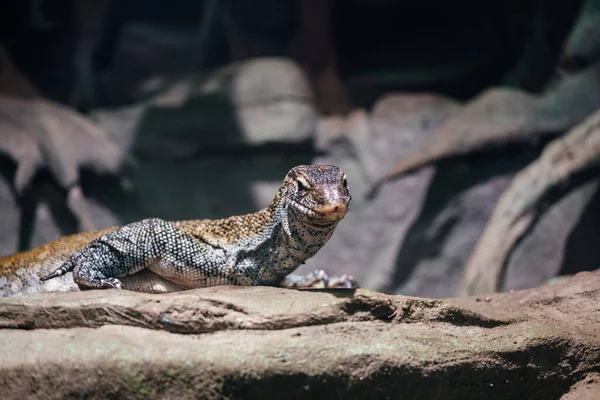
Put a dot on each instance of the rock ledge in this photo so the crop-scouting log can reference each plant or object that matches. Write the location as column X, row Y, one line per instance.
column 261, row 342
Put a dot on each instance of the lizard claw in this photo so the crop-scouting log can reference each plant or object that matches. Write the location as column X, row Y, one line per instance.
column 319, row 279
column 342, row 281
column 111, row 283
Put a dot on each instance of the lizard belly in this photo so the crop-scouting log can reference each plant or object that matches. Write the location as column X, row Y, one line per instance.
column 149, row 282
column 201, row 267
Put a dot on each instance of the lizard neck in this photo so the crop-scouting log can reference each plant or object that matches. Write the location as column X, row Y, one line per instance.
column 302, row 238
column 286, row 241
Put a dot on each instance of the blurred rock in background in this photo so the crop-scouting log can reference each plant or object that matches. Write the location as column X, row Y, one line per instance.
column 207, row 104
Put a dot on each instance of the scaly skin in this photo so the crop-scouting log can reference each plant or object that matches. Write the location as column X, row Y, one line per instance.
column 153, row 255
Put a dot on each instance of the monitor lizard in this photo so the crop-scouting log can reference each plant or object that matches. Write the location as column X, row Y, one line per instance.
column 155, row 255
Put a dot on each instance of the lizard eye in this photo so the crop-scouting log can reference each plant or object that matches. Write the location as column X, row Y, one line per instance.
column 303, row 184
column 345, row 182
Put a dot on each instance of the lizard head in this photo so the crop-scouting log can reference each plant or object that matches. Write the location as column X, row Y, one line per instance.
column 319, row 193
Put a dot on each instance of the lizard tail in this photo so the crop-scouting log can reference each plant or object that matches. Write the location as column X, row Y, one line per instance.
column 66, row 267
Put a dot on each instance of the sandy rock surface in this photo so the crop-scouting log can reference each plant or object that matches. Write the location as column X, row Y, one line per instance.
column 229, row 342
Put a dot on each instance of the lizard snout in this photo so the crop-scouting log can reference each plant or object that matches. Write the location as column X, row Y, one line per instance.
column 332, row 210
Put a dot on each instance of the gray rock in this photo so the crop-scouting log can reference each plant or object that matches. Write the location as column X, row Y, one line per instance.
column 366, row 241
column 541, row 255
column 251, row 103
column 431, row 261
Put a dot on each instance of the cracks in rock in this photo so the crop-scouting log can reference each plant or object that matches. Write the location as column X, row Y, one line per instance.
column 209, row 315
column 365, row 306
column 415, row 310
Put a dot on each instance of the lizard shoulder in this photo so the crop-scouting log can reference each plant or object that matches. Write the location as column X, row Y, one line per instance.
column 227, row 231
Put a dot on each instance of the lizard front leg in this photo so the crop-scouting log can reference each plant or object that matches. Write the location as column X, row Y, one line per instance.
column 122, row 252
column 153, row 243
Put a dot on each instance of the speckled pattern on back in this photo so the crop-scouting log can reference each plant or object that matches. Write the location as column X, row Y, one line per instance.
column 254, row 249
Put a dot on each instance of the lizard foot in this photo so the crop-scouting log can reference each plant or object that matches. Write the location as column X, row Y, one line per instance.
column 342, row 281
column 113, row 283
column 319, row 279
column 108, row 283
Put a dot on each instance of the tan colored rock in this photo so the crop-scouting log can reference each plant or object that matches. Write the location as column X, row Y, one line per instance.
column 586, row 389
column 260, row 342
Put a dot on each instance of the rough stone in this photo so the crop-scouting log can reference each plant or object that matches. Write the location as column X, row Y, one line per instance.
column 232, row 342
column 586, row 389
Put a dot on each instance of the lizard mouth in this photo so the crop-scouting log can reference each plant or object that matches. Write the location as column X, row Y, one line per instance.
column 327, row 213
